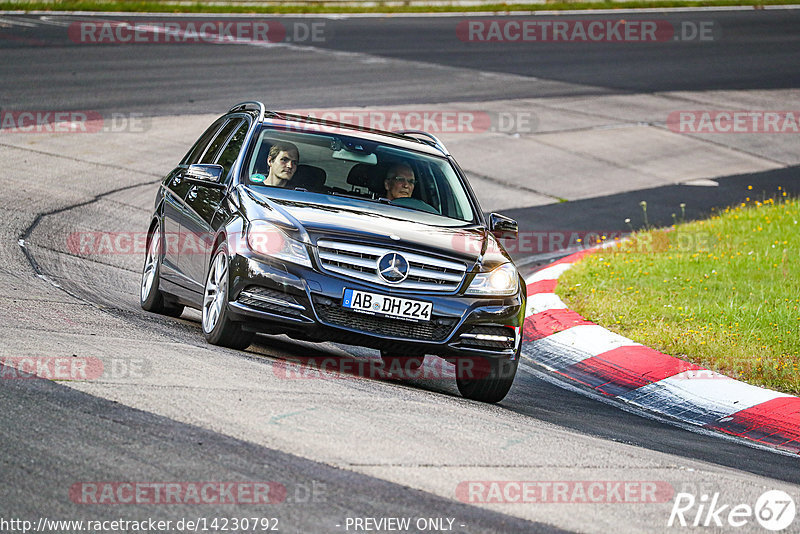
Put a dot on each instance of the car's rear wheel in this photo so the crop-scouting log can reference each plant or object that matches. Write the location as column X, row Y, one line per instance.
column 486, row 379
column 218, row 328
column 150, row 296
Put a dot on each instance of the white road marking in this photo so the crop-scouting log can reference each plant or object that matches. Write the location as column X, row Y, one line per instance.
column 17, row 22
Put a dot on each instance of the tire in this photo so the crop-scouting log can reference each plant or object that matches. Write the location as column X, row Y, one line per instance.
column 488, row 379
column 406, row 363
column 218, row 328
column 150, row 296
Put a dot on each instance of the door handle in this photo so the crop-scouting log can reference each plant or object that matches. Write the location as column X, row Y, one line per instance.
column 192, row 195
column 177, row 180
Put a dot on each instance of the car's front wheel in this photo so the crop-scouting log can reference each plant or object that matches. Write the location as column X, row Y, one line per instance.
column 486, row 379
column 150, row 296
column 218, row 328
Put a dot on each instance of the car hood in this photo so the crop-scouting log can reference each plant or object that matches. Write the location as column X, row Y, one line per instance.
column 355, row 220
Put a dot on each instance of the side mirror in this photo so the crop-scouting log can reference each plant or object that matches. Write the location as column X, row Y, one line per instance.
column 205, row 172
column 503, row 227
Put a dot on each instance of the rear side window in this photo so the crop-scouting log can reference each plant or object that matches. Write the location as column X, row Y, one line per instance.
column 213, row 148
column 232, row 149
column 200, row 146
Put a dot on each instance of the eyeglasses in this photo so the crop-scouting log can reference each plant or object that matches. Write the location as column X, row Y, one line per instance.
column 410, row 181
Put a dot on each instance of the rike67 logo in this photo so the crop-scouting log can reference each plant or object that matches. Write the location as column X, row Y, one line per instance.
column 774, row 510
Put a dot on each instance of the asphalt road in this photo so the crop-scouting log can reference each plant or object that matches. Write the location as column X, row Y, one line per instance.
column 44, row 65
column 373, row 448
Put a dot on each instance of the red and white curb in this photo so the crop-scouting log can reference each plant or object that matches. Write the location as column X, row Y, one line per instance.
column 565, row 343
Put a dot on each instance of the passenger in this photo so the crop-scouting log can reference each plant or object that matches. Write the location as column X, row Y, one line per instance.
column 282, row 160
column 400, row 181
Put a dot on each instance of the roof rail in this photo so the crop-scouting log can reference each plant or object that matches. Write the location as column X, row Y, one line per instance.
column 250, row 105
column 436, row 142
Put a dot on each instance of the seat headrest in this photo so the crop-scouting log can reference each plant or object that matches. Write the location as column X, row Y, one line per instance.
column 308, row 177
column 360, row 174
column 376, row 182
column 369, row 176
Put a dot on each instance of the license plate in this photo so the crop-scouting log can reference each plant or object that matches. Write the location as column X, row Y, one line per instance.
column 386, row 306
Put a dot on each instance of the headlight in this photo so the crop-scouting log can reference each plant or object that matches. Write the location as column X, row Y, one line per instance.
column 501, row 281
column 268, row 240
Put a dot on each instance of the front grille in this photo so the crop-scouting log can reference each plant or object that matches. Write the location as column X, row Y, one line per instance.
column 270, row 300
column 469, row 338
column 437, row 329
column 361, row 262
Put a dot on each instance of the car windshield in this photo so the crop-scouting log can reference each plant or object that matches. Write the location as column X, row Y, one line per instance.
column 342, row 165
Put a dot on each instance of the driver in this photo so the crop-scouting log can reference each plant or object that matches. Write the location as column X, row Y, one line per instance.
column 282, row 160
column 400, row 181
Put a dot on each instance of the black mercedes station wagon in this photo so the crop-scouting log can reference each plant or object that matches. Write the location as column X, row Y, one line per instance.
column 282, row 224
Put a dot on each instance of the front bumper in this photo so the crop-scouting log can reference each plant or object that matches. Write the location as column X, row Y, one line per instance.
column 274, row 297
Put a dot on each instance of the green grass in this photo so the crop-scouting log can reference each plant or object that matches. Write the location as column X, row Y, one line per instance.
column 721, row 292
column 301, row 6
